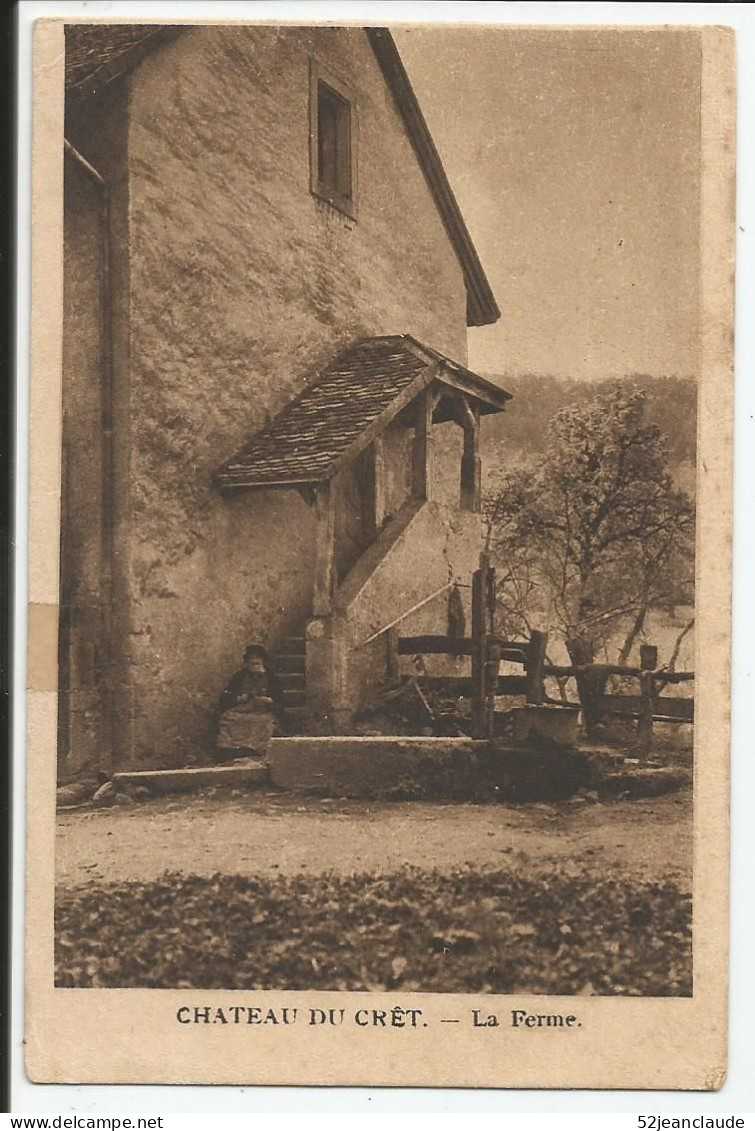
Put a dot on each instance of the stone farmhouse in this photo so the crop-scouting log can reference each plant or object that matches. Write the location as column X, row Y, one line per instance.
column 270, row 433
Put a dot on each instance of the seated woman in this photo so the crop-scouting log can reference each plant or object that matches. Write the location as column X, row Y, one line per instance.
column 251, row 709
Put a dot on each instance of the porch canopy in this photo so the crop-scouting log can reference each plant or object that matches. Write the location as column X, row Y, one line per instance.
column 349, row 404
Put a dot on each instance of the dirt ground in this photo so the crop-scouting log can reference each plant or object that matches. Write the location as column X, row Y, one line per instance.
column 282, row 834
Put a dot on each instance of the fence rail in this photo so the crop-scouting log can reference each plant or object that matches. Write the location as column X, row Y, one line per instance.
column 487, row 651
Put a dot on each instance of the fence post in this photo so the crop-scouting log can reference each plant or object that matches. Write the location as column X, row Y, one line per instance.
column 492, row 666
column 648, row 657
column 535, row 664
column 392, row 666
column 645, row 715
column 479, row 649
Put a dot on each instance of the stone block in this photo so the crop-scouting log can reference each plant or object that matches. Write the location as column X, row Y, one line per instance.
column 377, row 766
column 523, row 774
column 643, row 781
column 559, row 724
column 196, row 777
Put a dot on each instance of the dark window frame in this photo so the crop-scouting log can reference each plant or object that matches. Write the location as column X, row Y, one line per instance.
column 338, row 183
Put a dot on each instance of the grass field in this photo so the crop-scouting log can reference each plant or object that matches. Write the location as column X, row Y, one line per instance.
column 467, row 930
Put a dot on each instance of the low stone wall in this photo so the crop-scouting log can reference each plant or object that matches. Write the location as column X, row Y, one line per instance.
column 522, row 774
column 239, row 776
column 378, row 767
column 427, row 546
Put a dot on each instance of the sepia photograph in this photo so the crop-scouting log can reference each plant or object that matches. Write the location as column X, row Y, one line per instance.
column 377, row 631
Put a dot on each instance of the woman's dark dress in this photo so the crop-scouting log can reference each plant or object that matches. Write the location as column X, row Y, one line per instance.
column 246, row 722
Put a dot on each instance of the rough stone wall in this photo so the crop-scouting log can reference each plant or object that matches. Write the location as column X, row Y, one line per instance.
column 396, row 444
column 445, row 463
column 87, row 725
column 243, row 284
column 82, row 719
column 380, row 768
column 439, row 545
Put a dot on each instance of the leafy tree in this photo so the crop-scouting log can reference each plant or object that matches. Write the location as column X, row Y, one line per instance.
column 594, row 535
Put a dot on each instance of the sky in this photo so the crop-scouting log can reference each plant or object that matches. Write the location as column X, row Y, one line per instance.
column 574, row 155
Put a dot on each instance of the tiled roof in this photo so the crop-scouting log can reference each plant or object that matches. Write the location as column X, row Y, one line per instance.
column 97, row 53
column 375, row 378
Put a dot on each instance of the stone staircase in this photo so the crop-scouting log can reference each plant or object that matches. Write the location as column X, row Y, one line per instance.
column 289, row 666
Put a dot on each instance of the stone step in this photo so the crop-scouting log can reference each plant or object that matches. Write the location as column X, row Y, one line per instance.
column 283, row 664
column 293, row 646
column 291, row 681
column 296, row 719
column 243, row 776
column 293, row 697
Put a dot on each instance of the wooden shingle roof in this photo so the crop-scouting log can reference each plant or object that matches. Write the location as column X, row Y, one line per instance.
column 99, row 53
column 344, row 408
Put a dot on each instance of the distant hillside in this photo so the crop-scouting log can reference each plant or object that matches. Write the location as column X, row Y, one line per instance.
column 671, row 404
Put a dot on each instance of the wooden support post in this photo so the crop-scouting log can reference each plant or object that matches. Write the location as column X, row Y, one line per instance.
column 493, row 649
column 491, row 600
column 535, row 666
column 392, row 666
column 479, row 651
column 492, row 666
column 325, row 550
column 645, row 715
column 422, row 448
column 471, row 464
column 378, row 480
column 648, row 664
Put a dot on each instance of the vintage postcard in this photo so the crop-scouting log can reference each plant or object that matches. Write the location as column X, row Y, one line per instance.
column 381, row 443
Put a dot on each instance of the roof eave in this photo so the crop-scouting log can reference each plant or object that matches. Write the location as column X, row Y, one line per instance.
column 490, row 397
column 247, row 483
column 122, row 63
column 482, row 309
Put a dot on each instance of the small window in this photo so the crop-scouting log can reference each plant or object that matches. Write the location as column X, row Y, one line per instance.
column 332, row 144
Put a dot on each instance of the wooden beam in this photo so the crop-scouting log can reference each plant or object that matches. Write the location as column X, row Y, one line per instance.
column 645, row 715
column 379, row 479
column 488, row 396
column 391, row 655
column 492, row 664
column 664, row 706
column 471, row 464
column 513, row 654
column 308, row 493
column 422, row 446
column 325, row 550
column 589, row 669
column 512, row 684
column 479, row 652
column 470, row 417
column 460, row 686
column 615, row 669
column 536, row 666
column 438, row 392
column 434, row 646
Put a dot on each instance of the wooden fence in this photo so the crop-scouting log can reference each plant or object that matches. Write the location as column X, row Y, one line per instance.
column 487, row 651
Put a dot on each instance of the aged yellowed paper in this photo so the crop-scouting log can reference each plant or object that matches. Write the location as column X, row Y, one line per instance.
column 381, row 447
